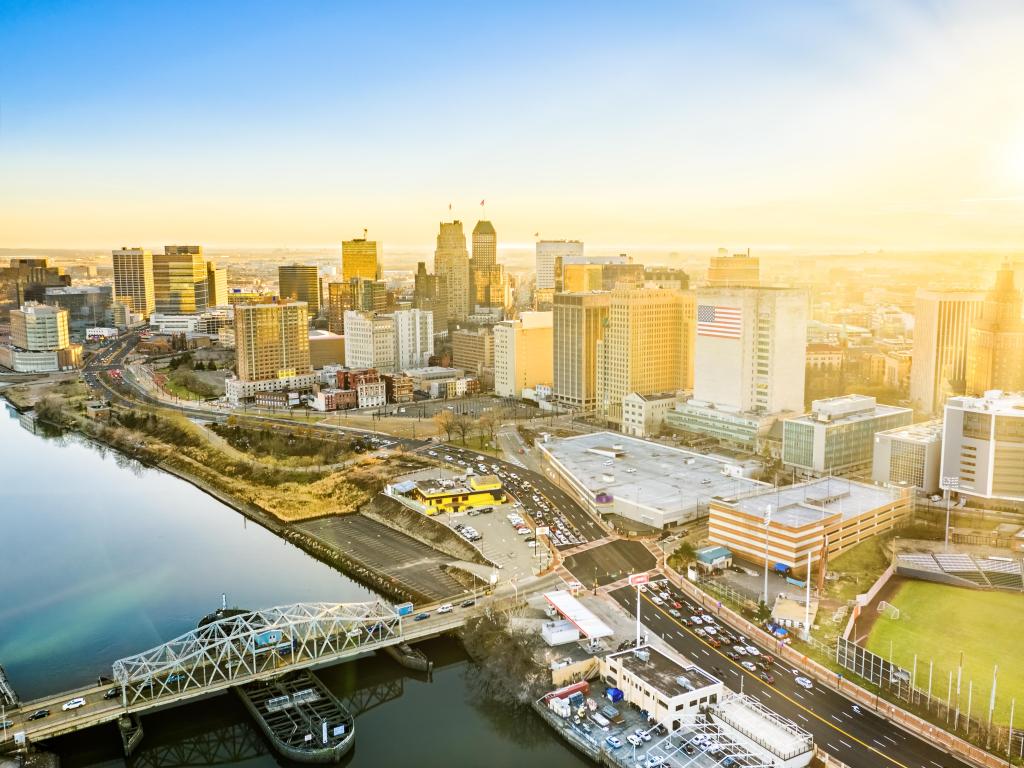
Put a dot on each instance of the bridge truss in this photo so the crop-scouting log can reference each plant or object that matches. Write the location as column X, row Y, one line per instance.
column 254, row 645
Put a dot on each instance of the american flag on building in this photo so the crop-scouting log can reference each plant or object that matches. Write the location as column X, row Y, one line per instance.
column 719, row 322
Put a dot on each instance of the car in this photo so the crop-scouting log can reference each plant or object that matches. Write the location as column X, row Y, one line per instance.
column 707, row 619
column 421, row 616
column 633, row 739
column 6, row 724
column 674, row 612
column 445, row 608
column 112, row 693
column 642, row 734
column 73, row 704
column 749, row 666
column 664, row 595
column 699, row 631
column 677, row 605
column 174, row 678
column 714, row 642
column 657, row 600
column 39, row 714
column 740, row 649
column 697, row 620
column 803, row 682
column 770, row 679
column 467, row 603
column 752, row 650
column 642, row 587
column 614, row 742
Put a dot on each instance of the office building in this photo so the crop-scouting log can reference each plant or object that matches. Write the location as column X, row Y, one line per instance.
column 40, row 341
column 88, row 306
column 451, row 266
column 983, row 447
column 551, row 251
column 238, row 296
column 736, row 271
column 523, row 351
column 414, row 338
column 581, row 277
column 485, row 244
column 133, row 279
column 629, row 274
column 643, row 415
column 838, row 435
column 995, row 342
column 909, row 456
column 370, row 341
column 326, row 348
column 179, row 280
column 647, row 346
column 26, row 280
column 473, row 351
column 578, row 322
column 736, row 430
column 271, row 350
column 665, row 277
column 942, row 325
column 751, row 345
column 488, row 286
column 430, row 293
column 216, row 285
column 360, row 258
column 300, row 282
column 787, row 524
column 358, row 295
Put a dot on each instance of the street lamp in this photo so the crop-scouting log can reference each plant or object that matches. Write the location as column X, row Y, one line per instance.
column 949, row 484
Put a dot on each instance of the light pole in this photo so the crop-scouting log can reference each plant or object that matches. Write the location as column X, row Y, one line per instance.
column 949, row 484
column 767, row 523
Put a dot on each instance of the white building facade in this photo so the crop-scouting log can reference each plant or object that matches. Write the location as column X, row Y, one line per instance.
column 414, row 338
column 370, row 341
column 983, row 447
column 548, row 251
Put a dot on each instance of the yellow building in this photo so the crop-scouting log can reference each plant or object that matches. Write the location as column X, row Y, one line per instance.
column 647, row 347
column 738, row 270
column 360, row 258
column 579, row 323
column 460, row 495
column 995, row 343
column 133, row 279
column 523, row 350
column 216, row 285
column 582, row 277
column 300, row 282
column 179, row 280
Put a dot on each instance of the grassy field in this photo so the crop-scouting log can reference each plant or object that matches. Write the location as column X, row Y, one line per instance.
column 938, row 622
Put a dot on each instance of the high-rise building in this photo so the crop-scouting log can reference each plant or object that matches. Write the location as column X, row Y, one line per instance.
column 88, row 306
column 216, row 285
column 614, row 275
column 370, row 341
column 133, row 279
column 579, row 322
column 271, row 350
column 666, row 277
column 983, row 447
column 909, row 456
column 359, row 295
column 838, row 435
column 751, row 347
column 451, row 265
column 523, row 351
column 942, row 324
column 647, row 346
column 430, row 293
column 27, row 280
column 414, row 338
column 485, row 244
column 360, row 258
column 738, row 270
column 179, row 280
column 300, row 282
column 40, row 340
column 548, row 251
column 582, row 277
column 995, row 343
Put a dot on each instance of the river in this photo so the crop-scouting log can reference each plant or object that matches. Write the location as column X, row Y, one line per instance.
column 101, row 557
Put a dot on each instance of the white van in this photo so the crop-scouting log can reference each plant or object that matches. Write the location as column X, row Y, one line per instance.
column 445, row 608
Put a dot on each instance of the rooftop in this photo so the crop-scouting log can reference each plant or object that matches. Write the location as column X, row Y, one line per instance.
column 925, row 432
column 647, row 473
column 780, row 736
column 663, row 673
column 994, row 401
column 815, row 500
column 847, row 409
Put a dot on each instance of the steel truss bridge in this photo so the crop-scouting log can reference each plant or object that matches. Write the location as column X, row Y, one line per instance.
column 232, row 651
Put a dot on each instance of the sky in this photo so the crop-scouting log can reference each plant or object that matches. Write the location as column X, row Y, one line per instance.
column 782, row 125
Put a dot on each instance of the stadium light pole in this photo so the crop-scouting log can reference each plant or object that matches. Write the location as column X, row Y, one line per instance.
column 949, row 484
column 767, row 522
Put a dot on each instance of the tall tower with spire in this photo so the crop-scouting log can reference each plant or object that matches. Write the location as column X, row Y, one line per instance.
column 451, row 266
column 995, row 344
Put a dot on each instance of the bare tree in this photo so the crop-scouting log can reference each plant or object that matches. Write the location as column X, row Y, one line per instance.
column 489, row 422
column 463, row 425
column 445, row 421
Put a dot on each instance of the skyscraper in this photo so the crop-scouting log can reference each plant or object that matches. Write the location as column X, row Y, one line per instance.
column 550, row 250
column 430, row 293
column 485, row 244
column 738, row 270
column 271, row 350
column 995, row 343
column 942, row 324
column 579, row 321
column 216, row 285
column 414, row 338
column 647, row 346
column 487, row 277
column 358, row 294
column 360, row 258
column 300, row 282
column 451, row 265
column 133, row 279
column 179, row 280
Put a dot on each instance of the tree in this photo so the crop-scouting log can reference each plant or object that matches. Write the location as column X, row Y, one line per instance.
column 463, row 425
column 506, row 669
column 445, row 421
column 685, row 554
column 489, row 422
column 211, row 366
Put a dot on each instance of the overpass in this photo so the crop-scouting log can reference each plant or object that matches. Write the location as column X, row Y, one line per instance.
column 234, row 650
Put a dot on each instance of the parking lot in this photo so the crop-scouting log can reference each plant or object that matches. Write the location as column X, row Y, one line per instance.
column 501, row 543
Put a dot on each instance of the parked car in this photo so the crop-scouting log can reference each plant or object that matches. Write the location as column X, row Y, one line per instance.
column 614, row 742
column 674, row 612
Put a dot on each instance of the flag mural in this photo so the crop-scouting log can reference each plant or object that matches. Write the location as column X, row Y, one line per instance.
column 719, row 322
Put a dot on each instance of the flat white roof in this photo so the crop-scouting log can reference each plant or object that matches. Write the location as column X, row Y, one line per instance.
column 777, row 734
column 814, row 500
column 586, row 622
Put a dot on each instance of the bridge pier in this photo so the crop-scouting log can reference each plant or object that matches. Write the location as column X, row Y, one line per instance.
column 130, row 727
column 409, row 657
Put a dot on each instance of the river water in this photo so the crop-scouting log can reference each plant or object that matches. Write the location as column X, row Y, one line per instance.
column 101, row 558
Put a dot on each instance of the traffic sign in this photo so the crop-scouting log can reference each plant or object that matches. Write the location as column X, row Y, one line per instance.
column 636, row 579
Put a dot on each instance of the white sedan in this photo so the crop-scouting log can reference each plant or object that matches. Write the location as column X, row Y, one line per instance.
column 73, row 704
column 803, row 682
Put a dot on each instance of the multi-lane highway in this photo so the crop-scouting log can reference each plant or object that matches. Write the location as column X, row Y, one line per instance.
column 859, row 739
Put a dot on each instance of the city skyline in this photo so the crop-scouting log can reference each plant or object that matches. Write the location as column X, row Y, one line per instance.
column 838, row 127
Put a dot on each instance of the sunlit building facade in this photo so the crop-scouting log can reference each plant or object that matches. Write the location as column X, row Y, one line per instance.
column 942, row 325
column 523, row 351
column 300, row 282
column 133, row 279
column 579, row 323
column 271, row 350
column 360, row 258
column 179, row 280
column 451, row 265
column 995, row 343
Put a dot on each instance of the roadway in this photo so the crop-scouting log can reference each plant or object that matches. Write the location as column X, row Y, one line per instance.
column 862, row 740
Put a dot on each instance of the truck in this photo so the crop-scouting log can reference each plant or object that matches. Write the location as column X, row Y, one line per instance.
column 403, row 609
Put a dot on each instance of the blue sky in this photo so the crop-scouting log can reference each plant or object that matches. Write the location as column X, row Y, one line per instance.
column 661, row 123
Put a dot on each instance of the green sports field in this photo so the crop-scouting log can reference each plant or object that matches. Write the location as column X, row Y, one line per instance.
column 938, row 622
